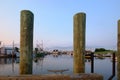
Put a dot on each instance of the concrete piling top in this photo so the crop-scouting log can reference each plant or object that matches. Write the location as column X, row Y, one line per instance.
column 26, row 11
column 80, row 14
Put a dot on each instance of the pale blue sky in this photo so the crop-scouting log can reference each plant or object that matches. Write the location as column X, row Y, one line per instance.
column 53, row 21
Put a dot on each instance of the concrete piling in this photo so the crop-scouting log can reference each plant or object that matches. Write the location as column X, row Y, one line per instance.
column 79, row 42
column 118, row 52
column 26, row 41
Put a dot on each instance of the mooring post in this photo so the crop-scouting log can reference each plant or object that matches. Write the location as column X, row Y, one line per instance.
column 113, row 67
column 26, row 41
column 79, row 42
column 113, row 64
column 118, row 52
column 92, row 62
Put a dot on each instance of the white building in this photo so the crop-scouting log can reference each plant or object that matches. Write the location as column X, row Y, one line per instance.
column 6, row 50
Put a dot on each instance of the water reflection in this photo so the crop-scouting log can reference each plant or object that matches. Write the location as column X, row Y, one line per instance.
column 39, row 63
column 8, row 60
column 9, row 66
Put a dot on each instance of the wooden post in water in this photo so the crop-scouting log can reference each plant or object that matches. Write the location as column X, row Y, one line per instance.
column 118, row 52
column 92, row 62
column 113, row 67
column 26, row 41
column 79, row 42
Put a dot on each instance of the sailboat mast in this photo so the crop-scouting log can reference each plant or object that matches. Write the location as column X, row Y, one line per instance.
column 13, row 50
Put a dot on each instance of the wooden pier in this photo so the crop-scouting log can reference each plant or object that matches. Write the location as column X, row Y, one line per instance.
column 81, row 76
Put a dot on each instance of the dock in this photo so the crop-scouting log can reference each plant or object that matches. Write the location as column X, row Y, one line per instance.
column 82, row 76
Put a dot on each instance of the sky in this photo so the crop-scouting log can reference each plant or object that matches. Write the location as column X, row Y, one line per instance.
column 53, row 21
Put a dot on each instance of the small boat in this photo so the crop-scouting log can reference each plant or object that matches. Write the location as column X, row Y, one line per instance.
column 88, row 56
column 58, row 71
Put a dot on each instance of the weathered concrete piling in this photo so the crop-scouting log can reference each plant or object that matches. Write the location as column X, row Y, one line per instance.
column 118, row 52
column 79, row 42
column 26, row 41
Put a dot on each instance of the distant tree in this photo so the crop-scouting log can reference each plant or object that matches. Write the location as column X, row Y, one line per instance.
column 100, row 49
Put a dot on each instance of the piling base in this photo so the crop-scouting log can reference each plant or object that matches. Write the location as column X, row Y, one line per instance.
column 54, row 77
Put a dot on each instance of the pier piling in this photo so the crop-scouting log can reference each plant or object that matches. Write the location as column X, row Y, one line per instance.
column 118, row 52
column 79, row 42
column 26, row 41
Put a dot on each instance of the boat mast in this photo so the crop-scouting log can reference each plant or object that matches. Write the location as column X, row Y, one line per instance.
column 0, row 46
column 13, row 50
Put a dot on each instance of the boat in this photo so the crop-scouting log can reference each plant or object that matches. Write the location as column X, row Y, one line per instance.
column 58, row 71
column 88, row 56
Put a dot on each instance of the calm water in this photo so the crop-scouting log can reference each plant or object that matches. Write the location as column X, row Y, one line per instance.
column 101, row 66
